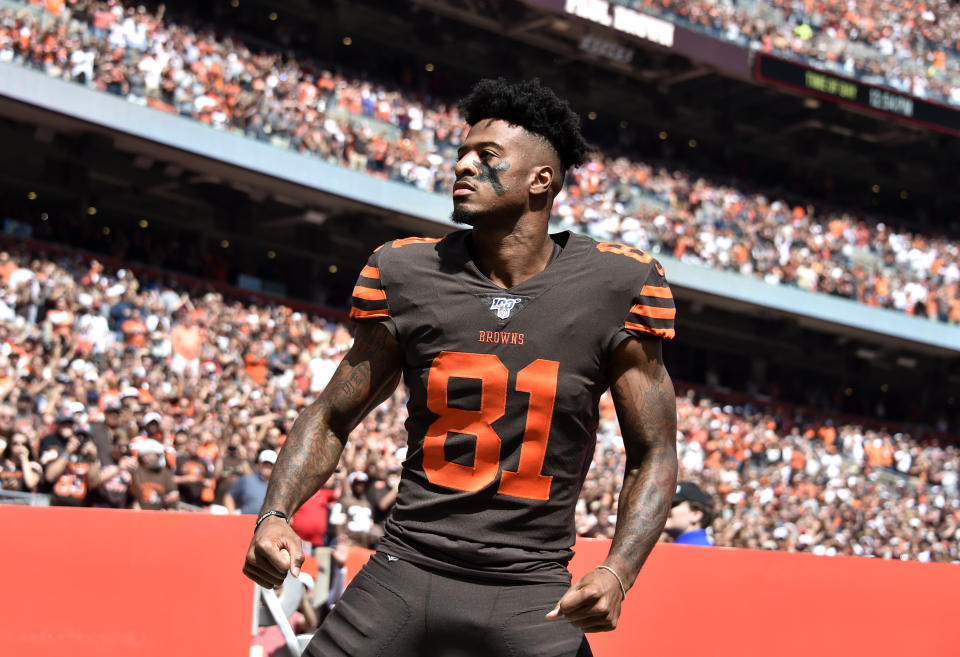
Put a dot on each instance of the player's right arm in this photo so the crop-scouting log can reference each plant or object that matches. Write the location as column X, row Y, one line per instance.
column 368, row 374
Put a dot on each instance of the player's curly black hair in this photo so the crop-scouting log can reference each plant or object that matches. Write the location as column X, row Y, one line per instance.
column 531, row 106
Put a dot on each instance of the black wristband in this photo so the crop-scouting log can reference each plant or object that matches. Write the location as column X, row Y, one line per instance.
column 264, row 516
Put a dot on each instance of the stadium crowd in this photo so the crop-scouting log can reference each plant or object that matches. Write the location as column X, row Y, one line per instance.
column 913, row 47
column 121, row 392
column 402, row 136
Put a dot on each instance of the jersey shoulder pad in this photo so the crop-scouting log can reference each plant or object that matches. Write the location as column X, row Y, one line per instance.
column 389, row 266
column 648, row 300
column 628, row 258
column 369, row 299
column 407, row 241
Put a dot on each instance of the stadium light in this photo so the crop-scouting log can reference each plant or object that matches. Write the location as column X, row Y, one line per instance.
column 333, row 269
column 224, row 244
column 234, row 3
column 663, row 135
column 428, row 68
column 32, row 196
column 44, row 216
column 347, row 41
column 692, row 143
column 875, row 189
column 91, row 210
column 143, row 223
column 592, row 116
column 273, row 16
column 271, row 255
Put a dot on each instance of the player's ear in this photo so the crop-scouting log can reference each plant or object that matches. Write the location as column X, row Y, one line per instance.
column 543, row 179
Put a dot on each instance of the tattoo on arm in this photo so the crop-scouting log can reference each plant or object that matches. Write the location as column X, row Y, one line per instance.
column 646, row 406
column 368, row 373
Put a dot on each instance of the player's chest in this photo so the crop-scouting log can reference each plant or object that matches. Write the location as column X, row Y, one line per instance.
column 516, row 325
column 476, row 344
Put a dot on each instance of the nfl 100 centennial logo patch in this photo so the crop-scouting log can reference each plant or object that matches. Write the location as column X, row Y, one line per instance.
column 504, row 306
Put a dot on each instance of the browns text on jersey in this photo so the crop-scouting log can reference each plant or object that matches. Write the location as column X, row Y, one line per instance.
column 501, row 337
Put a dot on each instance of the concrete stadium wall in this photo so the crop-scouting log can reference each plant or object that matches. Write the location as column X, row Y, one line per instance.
column 85, row 582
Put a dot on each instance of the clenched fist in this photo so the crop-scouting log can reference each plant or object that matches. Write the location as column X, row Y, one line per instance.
column 274, row 550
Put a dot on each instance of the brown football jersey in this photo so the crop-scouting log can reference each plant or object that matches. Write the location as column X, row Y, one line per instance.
column 504, row 388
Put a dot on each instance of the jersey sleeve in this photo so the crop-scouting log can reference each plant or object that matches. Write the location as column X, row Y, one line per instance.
column 369, row 300
column 652, row 311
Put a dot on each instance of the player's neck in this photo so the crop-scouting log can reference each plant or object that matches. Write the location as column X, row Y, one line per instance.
column 510, row 256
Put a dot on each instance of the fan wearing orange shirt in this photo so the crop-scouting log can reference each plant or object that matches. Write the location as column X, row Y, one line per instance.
column 186, row 341
column 255, row 363
column 134, row 331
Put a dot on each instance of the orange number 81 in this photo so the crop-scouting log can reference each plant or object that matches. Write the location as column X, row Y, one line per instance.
column 539, row 379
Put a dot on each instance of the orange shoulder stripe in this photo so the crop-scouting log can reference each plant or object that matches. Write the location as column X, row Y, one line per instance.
column 655, row 291
column 667, row 334
column 356, row 313
column 369, row 293
column 414, row 240
column 370, row 272
column 653, row 311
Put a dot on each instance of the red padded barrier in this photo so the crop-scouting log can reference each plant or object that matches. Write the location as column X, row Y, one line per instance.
column 702, row 602
column 86, row 582
column 95, row 582
column 720, row 602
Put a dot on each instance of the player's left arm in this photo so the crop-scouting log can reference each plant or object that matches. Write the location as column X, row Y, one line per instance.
column 646, row 405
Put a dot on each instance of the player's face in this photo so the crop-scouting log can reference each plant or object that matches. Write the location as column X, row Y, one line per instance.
column 492, row 172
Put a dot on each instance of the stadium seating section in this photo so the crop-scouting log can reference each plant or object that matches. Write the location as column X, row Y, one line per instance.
column 400, row 135
column 912, row 47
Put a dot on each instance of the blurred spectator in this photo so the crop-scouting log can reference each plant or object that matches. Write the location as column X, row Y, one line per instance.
column 194, row 471
column 105, row 432
column 8, row 416
column 26, row 420
column 18, row 472
column 71, row 466
column 116, row 478
column 153, row 484
column 53, row 443
column 382, row 490
column 690, row 516
column 230, row 466
column 352, row 514
column 247, row 495
column 311, row 519
column 186, row 342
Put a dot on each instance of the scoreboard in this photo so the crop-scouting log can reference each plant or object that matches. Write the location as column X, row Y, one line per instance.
column 871, row 98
